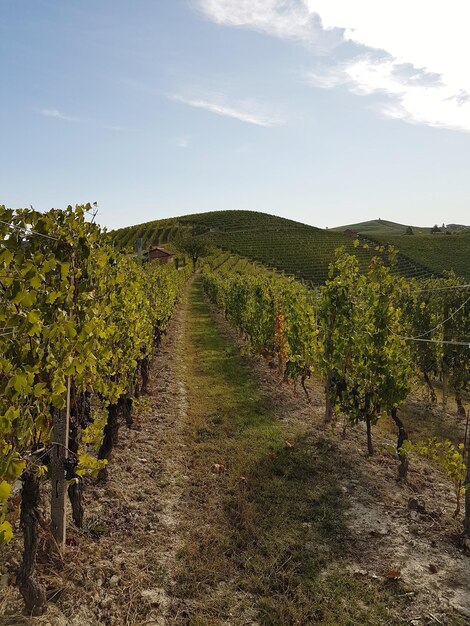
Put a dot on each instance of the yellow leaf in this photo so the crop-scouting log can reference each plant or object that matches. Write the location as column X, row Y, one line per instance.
column 6, row 532
column 5, row 490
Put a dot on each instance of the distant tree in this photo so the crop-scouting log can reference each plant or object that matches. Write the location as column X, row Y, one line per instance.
column 193, row 246
column 435, row 229
column 409, row 231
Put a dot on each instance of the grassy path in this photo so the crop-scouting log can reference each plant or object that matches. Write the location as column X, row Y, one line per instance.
column 262, row 540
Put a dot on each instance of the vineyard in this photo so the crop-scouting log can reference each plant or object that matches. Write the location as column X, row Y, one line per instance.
column 225, row 444
column 80, row 324
column 439, row 252
column 304, row 251
column 436, row 252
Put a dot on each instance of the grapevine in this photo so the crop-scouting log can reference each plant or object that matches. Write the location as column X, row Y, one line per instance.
column 79, row 322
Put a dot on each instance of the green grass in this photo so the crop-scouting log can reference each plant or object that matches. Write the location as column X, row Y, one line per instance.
column 265, row 540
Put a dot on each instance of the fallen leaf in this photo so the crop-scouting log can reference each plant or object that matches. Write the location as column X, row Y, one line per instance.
column 393, row 574
column 218, row 468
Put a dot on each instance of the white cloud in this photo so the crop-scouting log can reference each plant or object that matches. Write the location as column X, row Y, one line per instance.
column 415, row 53
column 416, row 96
column 247, row 111
column 286, row 19
column 60, row 116
column 424, row 67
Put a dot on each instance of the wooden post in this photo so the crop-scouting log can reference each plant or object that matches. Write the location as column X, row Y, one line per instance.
column 60, row 436
column 328, row 403
column 445, row 360
column 466, row 522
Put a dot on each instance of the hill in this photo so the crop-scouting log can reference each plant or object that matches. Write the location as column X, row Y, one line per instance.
column 381, row 227
column 437, row 252
column 302, row 250
column 385, row 227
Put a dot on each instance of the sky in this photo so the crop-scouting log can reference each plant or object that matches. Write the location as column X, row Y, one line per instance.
column 325, row 111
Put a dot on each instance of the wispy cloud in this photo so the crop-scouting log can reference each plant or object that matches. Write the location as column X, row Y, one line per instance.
column 410, row 55
column 59, row 115
column 248, row 111
column 56, row 114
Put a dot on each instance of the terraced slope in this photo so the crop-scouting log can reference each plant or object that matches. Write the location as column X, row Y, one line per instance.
column 299, row 249
column 438, row 252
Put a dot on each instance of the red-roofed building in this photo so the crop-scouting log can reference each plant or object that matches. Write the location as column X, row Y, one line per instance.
column 159, row 254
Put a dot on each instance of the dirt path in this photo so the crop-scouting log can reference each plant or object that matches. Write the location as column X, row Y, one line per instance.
column 230, row 504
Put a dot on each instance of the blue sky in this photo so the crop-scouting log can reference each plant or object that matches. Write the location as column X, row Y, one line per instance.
column 301, row 108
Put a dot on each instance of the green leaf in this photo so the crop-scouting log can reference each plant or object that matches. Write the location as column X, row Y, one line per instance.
column 52, row 297
column 15, row 469
column 34, row 316
column 35, row 282
column 29, row 298
column 20, row 382
column 64, row 270
column 40, row 389
column 6, row 256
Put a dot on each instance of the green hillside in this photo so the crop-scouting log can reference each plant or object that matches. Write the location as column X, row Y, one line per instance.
column 299, row 249
column 437, row 252
column 381, row 227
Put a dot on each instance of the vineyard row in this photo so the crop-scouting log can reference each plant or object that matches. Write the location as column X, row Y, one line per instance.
column 80, row 323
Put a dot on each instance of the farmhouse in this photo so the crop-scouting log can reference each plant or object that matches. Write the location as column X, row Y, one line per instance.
column 159, row 254
column 350, row 233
